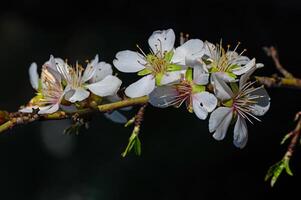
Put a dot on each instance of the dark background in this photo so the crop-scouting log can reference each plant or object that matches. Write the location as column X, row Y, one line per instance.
column 180, row 159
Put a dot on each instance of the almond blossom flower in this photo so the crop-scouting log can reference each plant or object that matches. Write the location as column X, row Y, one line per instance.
column 196, row 98
column 49, row 88
column 227, row 64
column 96, row 77
column 160, row 67
column 239, row 103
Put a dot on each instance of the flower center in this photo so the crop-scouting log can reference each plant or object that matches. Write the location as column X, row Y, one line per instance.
column 156, row 64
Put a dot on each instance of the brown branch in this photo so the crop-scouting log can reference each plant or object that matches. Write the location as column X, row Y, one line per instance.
column 272, row 52
column 295, row 135
column 18, row 118
column 279, row 82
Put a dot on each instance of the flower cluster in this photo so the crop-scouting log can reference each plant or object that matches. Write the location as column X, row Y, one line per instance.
column 61, row 86
column 204, row 76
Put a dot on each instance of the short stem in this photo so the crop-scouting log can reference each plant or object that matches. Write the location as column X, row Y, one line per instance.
column 6, row 126
column 123, row 103
column 279, row 82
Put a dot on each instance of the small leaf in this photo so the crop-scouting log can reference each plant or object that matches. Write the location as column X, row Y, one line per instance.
column 287, row 136
column 275, row 170
column 138, row 146
column 133, row 142
column 287, row 167
column 130, row 122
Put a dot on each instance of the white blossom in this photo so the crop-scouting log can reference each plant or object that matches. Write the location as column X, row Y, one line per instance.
column 196, row 98
column 240, row 103
column 49, row 88
column 226, row 64
column 160, row 67
column 96, row 77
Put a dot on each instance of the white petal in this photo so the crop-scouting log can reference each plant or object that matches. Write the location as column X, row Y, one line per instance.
column 207, row 100
column 170, row 77
column 246, row 68
column 162, row 41
column 142, row 87
column 199, row 111
column 106, row 87
column 129, row 61
column 217, row 117
column 187, row 53
column 163, row 96
column 240, row 60
column 240, row 136
column 221, row 130
column 28, row 109
column 90, row 70
column 259, row 65
column 34, row 76
column 200, row 76
column 63, row 68
column 262, row 104
column 224, row 76
column 103, row 69
column 49, row 109
column 209, row 49
column 50, row 66
column 221, row 89
column 245, row 77
column 78, row 94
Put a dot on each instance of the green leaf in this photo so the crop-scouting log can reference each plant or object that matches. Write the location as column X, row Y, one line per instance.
column 275, row 170
column 138, row 146
column 287, row 136
column 287, row 167
column 130, row 122
column 134, row 142
column 144, row 72
column 174, row 67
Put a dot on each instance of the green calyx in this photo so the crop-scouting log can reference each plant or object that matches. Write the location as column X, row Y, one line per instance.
column 228, row 103
column 189, row 74
column 144, row 72
column 158, row 66
column 234, row 87
column 158, row 78
column 198, row 88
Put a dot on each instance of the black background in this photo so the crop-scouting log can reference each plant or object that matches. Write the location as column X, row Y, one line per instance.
column 180, row 159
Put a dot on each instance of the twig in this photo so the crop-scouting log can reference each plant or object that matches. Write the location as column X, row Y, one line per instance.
column 275, row 170
column 279, row 82
column 272, row 52
column 18, row 118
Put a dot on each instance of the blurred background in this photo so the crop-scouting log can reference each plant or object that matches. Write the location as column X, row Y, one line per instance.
column 180, row 159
